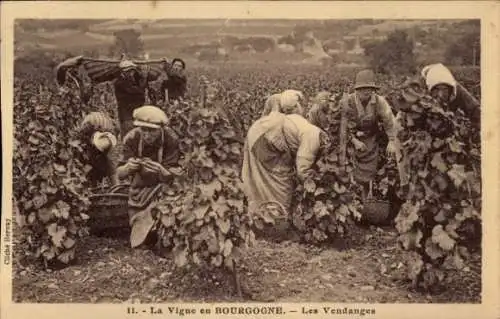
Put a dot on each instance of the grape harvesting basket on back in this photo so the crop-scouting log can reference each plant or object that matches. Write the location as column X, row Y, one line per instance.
column 108, row 208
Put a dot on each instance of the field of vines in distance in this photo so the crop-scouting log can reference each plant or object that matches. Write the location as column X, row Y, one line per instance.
column 368, row 266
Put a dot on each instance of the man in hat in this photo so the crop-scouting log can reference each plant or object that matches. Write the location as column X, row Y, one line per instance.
column 130, row 91
column 365, row 109
column 174, row 87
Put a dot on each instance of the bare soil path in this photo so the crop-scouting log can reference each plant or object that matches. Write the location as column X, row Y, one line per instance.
column 369, row 269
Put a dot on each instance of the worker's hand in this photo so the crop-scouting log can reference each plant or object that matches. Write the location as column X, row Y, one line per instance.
column 391, row 149
column 133, row 165
column 157, row 168
column 358, row 145
column 152, row 166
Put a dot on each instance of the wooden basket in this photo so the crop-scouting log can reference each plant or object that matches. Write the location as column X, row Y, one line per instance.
column 109, row 209
column 375, row 211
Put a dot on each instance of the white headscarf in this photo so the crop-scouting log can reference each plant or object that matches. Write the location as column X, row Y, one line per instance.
column 272, row 104
column 104, row 141
column 290, row 101
column 435, row 74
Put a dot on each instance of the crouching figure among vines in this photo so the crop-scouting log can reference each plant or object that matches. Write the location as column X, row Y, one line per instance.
column 97, row 134
column 279, row 148
column 440, row 222
column 148, row 149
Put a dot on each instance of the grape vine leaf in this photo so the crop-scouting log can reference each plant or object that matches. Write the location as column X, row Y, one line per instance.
column 228, row 247
column 45, row 215
column 309, row 186
column 415, row 267
column 408, row 215
column 457, row 174
column 319, row 191
column 69, row 242
column 411, row 239
column 223, row 224
column 433, row 250
column 217, row 260
column 228, row 263
column 320, row 210
column 441, row 238
column 441, row 216
column 168, row 220
column 201, row 210
column 220, row 207
column 319, row 235
column 57, row 234
column 67, row 255
column 180, row 256
column 439, row 163
column 196, row 259
column 210, row 188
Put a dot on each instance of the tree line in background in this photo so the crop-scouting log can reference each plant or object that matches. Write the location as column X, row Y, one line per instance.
column 400, row 51
column 397, row 53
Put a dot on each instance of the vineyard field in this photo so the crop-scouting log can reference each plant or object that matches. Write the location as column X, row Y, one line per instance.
column 368, row 266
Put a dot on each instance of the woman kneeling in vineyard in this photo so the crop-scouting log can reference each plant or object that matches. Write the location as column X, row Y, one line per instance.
column 97, row 134
column 148, row 150
column 279, row 147
column 365, row 109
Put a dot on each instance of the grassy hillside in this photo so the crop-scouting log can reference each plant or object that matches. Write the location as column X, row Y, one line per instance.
column 173, row 36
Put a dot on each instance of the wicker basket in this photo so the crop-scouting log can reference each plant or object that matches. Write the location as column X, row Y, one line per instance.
column 109, row 209
column 375, row 211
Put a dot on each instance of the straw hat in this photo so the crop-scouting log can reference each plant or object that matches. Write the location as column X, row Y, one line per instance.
column 365, row 79
column 149, row 116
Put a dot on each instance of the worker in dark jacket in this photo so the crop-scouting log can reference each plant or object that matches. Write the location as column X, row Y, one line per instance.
column 130, row 91
column 174, row 87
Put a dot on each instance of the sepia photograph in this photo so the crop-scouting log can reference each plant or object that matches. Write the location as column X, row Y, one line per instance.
column 258, row 160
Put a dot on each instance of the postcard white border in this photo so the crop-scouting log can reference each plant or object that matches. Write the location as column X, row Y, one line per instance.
column 487, row 11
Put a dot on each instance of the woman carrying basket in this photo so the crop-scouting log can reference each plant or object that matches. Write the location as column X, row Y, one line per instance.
column 148, row 150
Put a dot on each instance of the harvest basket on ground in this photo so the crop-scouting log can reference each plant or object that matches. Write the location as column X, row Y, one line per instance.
column 375, row 211
column 108, row 209
column 272, row 222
